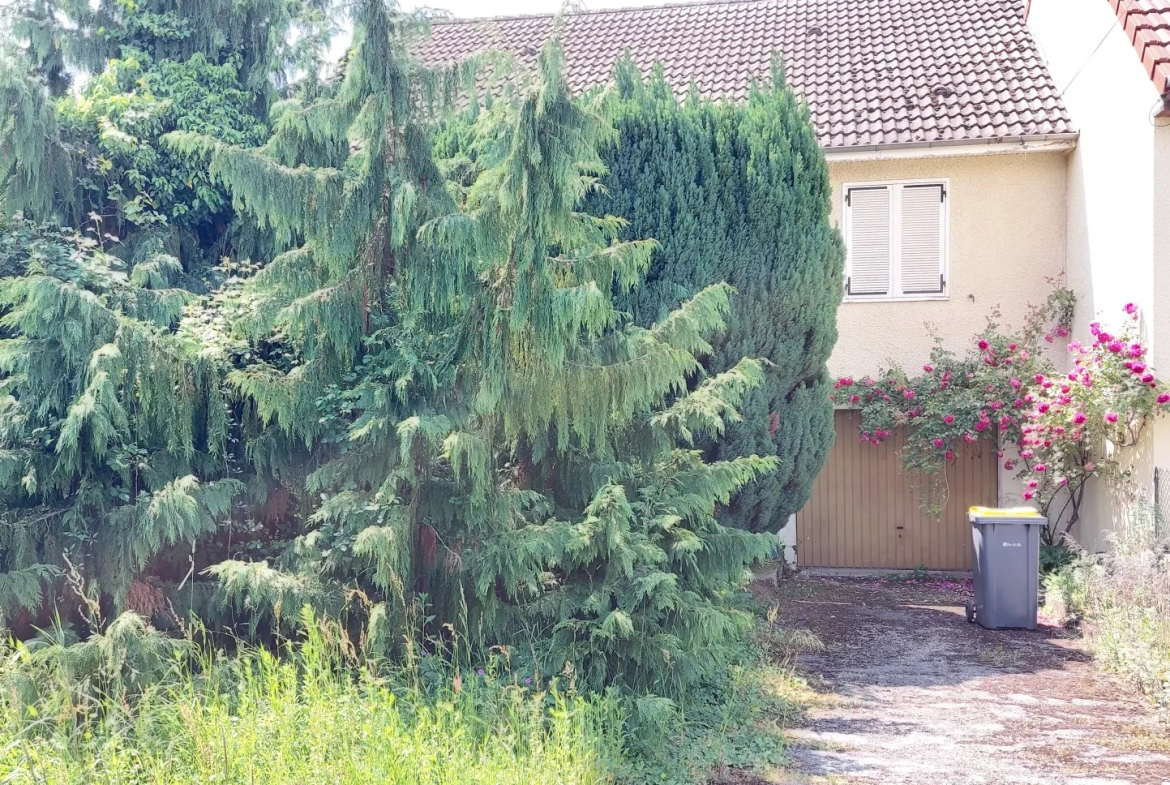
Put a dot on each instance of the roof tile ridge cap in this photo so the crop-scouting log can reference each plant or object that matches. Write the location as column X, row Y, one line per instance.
column 600, row 11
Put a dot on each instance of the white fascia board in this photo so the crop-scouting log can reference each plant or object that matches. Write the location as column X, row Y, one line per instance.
column 954, row 149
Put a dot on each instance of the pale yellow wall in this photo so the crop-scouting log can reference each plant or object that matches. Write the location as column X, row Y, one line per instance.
column 1007, row 236
column 1007, row 239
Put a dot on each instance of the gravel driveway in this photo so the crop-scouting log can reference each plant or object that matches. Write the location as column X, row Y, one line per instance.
column 911, row 694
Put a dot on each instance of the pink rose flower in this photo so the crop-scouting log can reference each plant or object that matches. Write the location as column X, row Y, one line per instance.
column 1080, row 417
column 938, row 443
column 1110, row 417
column 983, row 344
column 948, row 419
column 1164, row 398
column 1028, row 496
column 1040, row 467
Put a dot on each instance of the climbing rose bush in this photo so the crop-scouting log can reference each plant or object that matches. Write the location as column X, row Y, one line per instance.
column 1006, row 391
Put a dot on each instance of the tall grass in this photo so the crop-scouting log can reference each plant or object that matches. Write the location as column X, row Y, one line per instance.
column 1122, row 600
column 310, row 717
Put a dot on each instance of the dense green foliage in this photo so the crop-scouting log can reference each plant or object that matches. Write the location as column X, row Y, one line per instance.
column 739, row 193
column 507, row 444
column 117, row 436
column 256, row 335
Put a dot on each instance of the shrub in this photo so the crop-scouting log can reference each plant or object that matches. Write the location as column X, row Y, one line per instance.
column 1122, row 599
column 1068, row 427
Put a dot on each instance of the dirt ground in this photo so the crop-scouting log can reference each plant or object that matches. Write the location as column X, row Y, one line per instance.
column 909, row 693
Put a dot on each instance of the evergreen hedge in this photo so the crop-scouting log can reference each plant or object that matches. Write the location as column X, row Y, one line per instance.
column 739, row 192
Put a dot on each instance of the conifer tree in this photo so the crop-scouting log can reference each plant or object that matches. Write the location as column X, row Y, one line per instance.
column 506, row 444
column 112, row 436
column 738, row 193
column 116, row 430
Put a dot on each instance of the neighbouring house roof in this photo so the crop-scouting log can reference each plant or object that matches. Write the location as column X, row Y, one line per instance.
column 874, row 72
column 1147, row 23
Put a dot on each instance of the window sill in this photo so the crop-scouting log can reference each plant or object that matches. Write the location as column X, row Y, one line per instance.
column 909, row 298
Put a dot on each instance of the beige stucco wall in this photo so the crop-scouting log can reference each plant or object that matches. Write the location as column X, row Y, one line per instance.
column 1007, row 235
column 1118, row 213
column 1007, row 239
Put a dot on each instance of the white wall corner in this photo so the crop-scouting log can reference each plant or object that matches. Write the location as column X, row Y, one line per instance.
column 788, row 541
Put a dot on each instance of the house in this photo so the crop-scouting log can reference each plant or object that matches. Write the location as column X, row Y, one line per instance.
column 960, row 183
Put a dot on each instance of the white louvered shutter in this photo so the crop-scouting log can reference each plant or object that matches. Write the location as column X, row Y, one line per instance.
column 921, row 239
column 869, row 241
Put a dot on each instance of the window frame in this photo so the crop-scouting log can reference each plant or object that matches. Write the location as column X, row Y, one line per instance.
column 896, row 239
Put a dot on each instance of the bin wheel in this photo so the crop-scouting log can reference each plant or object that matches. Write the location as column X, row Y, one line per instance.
column 970, row 612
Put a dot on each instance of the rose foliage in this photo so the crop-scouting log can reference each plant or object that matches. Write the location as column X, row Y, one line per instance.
column 1006, row 391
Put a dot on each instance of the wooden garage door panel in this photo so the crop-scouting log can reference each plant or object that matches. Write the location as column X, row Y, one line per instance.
column 863, row 512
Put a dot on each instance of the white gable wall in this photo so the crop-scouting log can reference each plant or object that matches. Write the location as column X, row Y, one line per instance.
column 1113, row 179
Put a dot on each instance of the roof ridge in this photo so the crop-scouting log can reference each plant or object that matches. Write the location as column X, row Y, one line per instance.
column 455, row 20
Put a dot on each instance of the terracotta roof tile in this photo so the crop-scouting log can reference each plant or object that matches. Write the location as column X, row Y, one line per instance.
column 1147, row 23
column 873, row 72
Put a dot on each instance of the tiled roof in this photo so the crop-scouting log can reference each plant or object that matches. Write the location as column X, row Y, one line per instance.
column 874, row 72
column 1147, row 23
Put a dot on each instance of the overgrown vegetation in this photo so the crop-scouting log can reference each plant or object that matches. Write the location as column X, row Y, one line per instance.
column 316, row 713
column 263, row 349
column 1121, row 602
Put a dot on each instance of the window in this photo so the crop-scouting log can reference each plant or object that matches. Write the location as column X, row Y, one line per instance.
column 896, row 239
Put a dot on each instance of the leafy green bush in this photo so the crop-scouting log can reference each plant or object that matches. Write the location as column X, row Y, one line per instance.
column 1055, row 557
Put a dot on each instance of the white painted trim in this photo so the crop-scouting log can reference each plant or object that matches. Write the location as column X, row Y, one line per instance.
column 896, row 242
column 1059, row 143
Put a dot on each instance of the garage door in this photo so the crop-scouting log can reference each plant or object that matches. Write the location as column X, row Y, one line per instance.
column 862, row 512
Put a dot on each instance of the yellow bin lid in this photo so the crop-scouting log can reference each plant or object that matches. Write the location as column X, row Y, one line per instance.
column 1004, row 512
